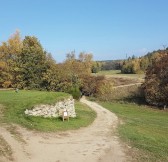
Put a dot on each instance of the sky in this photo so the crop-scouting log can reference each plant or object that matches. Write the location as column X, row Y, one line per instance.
column 109, row 29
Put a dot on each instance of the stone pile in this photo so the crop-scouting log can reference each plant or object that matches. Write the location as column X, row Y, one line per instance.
column 55, row 110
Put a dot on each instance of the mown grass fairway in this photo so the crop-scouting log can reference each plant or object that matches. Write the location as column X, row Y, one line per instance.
column 143, row 128
column 14, row 105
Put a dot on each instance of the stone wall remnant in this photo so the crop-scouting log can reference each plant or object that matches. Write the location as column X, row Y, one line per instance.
column 54, row 110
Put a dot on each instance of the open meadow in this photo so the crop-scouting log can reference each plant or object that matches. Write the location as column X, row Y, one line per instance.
column 119, row 79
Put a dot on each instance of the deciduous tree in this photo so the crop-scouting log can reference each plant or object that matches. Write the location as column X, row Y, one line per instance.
column 156, row 82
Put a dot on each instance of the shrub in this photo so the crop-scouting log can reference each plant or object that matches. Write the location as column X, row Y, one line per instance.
column 156, row 82
column 75, row 92
column 91, row 85
column 110, row 93
column 6, row 84
column 105, row 91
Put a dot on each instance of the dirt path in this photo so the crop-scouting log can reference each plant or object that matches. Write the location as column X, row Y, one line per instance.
column 96, row 143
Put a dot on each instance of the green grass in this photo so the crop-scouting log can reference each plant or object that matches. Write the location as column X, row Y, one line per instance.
column 14, row 105
column 145, row 129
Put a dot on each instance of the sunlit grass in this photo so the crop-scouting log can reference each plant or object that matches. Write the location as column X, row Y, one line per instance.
column 14, row 105
column 143, row 128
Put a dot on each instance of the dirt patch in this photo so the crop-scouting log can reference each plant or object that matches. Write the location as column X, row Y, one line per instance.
column 5, row 150
column 1, row 110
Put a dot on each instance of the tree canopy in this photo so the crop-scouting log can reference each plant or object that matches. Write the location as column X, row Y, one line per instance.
column 135, row 65
column 25, row 64
column 156, row 81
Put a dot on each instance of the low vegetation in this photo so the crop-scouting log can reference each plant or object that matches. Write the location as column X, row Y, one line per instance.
column 118, row 74
column 144, row 129
column 123, row 93
column 139, row 65
column 16, row 103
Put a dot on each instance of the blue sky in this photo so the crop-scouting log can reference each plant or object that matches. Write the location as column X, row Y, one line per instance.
column 109, row 29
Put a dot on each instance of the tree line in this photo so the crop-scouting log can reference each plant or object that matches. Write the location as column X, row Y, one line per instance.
column 134, row 65
column 154, row 65
column 24, row 64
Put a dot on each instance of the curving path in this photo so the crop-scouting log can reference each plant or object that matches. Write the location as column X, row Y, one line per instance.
column 96, row 143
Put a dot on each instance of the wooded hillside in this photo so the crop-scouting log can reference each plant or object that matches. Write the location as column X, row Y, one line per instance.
column 135, row 65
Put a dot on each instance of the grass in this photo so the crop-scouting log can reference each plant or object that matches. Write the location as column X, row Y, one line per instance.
column 144, row 129
column 14, row 105
column 117, row 73
column 109, row 72
column 119, row 79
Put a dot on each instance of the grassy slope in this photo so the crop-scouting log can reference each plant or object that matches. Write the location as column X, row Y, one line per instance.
column 14, row 105
column 145, row 129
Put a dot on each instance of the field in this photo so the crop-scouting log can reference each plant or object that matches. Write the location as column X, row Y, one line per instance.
column 145, row 129
column 119, row 79
column 14, row 104
column 117, row 73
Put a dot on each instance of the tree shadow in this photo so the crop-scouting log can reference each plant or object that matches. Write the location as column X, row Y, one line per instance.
column 136, row 100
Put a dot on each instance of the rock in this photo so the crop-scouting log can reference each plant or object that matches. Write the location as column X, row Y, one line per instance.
column 53, row 110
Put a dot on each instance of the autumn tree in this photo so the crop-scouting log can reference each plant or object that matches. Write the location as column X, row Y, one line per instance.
column 91, row 85
column 25, row 64
column 135, row 65
column 86, row 60
column 56, row 77
column 156, row 82
column 77, row 68
column 9, row 52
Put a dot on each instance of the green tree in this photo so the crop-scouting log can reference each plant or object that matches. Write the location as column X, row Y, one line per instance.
column 96, row 67
column 31, row 64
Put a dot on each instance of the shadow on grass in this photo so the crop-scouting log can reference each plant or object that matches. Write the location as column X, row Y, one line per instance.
column 135, row 100
column 142, row 102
